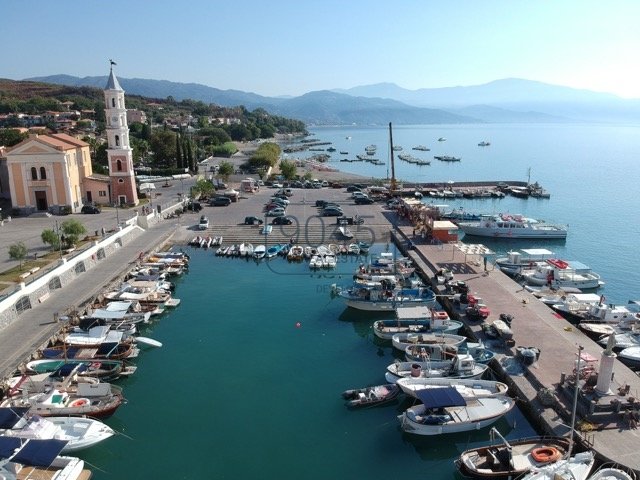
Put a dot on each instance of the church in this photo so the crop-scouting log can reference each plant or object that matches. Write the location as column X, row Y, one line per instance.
column 53, row 172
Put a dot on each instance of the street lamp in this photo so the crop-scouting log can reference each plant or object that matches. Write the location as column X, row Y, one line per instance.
column 117, row 216
column 59, row 238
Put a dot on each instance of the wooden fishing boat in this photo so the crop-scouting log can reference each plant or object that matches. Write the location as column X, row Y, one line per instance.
column 371, row 396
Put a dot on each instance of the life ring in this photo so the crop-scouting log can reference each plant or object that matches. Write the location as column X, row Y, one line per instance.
column 545, row 454
column 80, row 402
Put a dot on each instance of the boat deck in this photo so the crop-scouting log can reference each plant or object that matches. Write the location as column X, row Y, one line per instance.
column 535, row 325
column 37, row 473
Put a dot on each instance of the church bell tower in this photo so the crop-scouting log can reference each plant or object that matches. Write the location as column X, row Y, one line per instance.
column 119, row 152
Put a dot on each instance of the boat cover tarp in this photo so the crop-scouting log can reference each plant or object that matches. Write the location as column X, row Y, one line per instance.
column 440, row 397
column 9, row 416
column 36, row 453
column 117, row 306
column 104, row 314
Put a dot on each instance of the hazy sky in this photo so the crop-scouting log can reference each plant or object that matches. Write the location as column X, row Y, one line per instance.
column 290, row 47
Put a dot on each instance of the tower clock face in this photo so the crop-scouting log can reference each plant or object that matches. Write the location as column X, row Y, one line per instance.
column 114, row 119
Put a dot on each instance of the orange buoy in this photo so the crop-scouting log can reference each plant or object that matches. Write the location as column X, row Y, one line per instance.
column 545, row 454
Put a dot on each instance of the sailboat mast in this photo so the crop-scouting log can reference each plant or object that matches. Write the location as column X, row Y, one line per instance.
column 393, row 167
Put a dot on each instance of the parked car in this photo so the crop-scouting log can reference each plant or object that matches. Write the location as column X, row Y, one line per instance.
column 282, row 221
column 276, row 185
column 194, row 206
column 90, row 209
column 280, row 200
column 252, row 221
column 272, row 205
column 220, row 201
column 332, row 212
column 363, row 201
column 297, row 184
column 359, row 195
column 353, row 188
column 276, row 212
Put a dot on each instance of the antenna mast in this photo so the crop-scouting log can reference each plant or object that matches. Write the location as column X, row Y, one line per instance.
column 393, row 167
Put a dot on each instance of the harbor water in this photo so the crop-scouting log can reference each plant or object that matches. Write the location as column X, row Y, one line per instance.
column 248, row 382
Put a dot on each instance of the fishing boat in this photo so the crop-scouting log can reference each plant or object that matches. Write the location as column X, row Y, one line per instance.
column 513, row 226
column 401, row 341
column 78, row 432
column 259, row 252
column 560, row 274
column 105, row 370
column 371, row 396
column 484, row 144
column 375, row 298
column 34, row 459
column 447, row 158
column 622, row 341
column 461, row 366
column 424, row 352
column 514, row 262
column 468, row 387
column 273, row 250
column 507, row 459
column 447, row 410
column 385, row 329
column 296, row 253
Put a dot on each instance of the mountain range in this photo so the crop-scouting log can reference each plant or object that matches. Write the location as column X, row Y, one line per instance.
column 501, row 101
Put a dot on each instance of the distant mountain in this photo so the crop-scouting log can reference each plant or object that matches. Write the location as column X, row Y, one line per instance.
column 321, row 107
column 535, row 99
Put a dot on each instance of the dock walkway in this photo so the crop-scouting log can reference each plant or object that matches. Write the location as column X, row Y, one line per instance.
column 536, row 325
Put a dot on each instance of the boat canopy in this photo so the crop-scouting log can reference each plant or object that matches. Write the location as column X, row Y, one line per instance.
column 537, row 251
column 35, row 453
column 9, row 416
column 441, row 397
column 105, row 314
column 118, row 306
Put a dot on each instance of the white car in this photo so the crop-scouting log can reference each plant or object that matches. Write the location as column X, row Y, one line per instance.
column 276, row 212
column 359, row 195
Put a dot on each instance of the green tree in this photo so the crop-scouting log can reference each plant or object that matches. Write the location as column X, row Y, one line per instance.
column 163, row 145
column 179, row 162
column 18, row 251
column 50, row 237
column 226, row 170
column 71, row 230
column 10, row 137
column 202, row 187
column 288, row 169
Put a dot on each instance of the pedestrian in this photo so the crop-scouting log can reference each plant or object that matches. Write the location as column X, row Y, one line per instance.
column 485, row 263
column 103, row 232
column 414, row 233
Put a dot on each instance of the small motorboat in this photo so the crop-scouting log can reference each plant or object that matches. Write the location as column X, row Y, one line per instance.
column 371, row 396
column 611, row 473
column 259, row 252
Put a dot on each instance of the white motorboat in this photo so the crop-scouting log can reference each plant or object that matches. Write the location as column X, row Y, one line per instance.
column 512, row 226
column 525, row 258
column 259, row 251
column 78, row 432
column 607, row 472
column 630, row 356
column 402, row 340
column 467, row 387
column 461, row 366
column 33, row 458
column 560, row 274
column 576, row 467
column 446, row 410
column 93, row 337
column 345, row 231
column 622, row 340
column 373, row 297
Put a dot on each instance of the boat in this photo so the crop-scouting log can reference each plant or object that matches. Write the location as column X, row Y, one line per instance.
column 111, row 351
column 514, row 262
column 507, row 459
column 345, row 232
column 259, row 252
column 442, row 139
column 622, row 341
column 373, row 297
column 273, row 250
column 94, row 337
column 561, row 274
column 513, row 226
column 461, row 366
column 576, row 306
column 484, row 144
column 296, row 253
column 423, row 352
column 609, row 472
column 78, row 432
column 105, row 370
column 385, row 329
column 371, row 396
column 447, row 158
column 38, row 459
column 576, row 467
column 447, row 410
column 98, row 400
column 468, row 387
column 421, row 148
column 401, row 341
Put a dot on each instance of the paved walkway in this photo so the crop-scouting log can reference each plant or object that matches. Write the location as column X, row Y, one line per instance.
column 20, row 339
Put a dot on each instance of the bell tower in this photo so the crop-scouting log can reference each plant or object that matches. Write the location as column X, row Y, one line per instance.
column 119, row 152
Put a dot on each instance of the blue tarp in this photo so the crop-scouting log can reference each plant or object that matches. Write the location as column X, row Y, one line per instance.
column 440, row 397
column 9, row 416
column 36, row 453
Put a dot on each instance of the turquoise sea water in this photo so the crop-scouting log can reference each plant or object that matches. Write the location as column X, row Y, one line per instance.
column 240, row 391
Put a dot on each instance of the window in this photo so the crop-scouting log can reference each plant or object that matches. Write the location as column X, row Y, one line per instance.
column 54, row 283
column 100, row 254
column 117, row 140
column 34, row 173
column 120, row 180
column 102, row 193
column 119, row 164
column 113, row 102
column 79, row 268
column 43, row 173
column 23, row 304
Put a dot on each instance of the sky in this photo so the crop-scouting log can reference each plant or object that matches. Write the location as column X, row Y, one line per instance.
column 290, row 47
